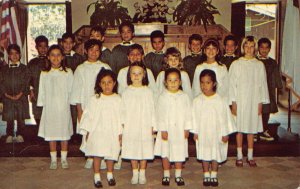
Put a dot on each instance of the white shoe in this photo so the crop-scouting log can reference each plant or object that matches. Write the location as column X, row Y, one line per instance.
column 64, row 164
column 9, row 139
column 266, row 136
column 135, row 179
column 103, row 165
column 53, row 165
column 142, row 179
column 19, row 139
column 88, row 163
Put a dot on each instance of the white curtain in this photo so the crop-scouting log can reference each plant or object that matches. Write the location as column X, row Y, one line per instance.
column 291, row 51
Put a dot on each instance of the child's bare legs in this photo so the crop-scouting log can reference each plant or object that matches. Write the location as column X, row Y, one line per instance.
column 213, row 174
column 138, row 170
column 178, row 178
column 64, row 153
column 166, row 167
column 110, row 169
column 142, row 172
column 135, row 171
column 53, row 154
column 96, row 166
column 250, row 138
column 206, row 173
column 239, row 143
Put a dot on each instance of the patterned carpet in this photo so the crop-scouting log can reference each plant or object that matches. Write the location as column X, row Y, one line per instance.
column 34, row 173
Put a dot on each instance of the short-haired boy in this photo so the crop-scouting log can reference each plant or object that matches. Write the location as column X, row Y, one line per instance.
column 230, row 45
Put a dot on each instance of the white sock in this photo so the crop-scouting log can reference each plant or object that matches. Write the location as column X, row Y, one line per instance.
column 213, row 174
column 142, row 172
column 239, row 153
column 177, row 173
column 63, row 155
column 109, row 175
column 206, row 175
column 167, row 173
column 250, row 153
column 97, row 177
column 135, row 172
column 53, row 156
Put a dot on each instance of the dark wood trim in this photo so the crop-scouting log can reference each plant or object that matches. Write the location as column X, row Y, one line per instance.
column 68, row 17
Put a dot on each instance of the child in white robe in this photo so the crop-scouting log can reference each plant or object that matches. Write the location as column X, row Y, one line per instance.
column 212, row 53
column 101, row 124
column 139, row 121
column 173, row 60
column 212, row 123
column 135, row 53
column 54, row 96
column 84, row 81
column 247, row 92
column 174, row 121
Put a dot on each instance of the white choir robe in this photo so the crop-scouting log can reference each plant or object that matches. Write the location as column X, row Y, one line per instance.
column 139, row 121
column 248, row 88
column 122, row 80
column 54, row 96
column 174, row 115
column 212, row 119
column 185, row 80
column 221, row 75
column 84, row 82
column 102, row 120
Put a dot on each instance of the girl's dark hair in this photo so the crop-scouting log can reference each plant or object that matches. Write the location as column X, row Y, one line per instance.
column 14, row 47
column 215, row 43
column 91, row 43
column 48, row 63
column 136, row 47
column 173, row 70
column 103, row 73
column 212, row 76
column 145, row 80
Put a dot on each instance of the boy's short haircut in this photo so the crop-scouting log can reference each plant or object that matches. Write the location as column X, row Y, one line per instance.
column 228, row 38
column 41, row 39
column 67, row 36
column 13, row 47
column 99, row 29
column 157, row 34
column 128, row 24
column 136, row 46
column 196, row 37
column 264, row 40
column 91, row 43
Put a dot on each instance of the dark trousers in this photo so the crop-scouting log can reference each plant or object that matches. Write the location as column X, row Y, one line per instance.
column 265, row 120
column 20, row 127
column 74, row 117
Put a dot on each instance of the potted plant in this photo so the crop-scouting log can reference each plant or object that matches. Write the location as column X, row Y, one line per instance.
column 108, row 13
column 195, row 12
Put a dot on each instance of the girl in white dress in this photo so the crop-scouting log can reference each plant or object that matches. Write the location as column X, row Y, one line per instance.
column 101, row 124
column 139, row 120
column 135, row 53
column 84, row 81
column 212, row 53
column 54, row 96
column 173, row 60
column 248, row 91
column 212, row 123
column 174, row 121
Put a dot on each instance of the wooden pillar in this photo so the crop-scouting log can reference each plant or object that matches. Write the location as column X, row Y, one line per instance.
column 68, row 17
column 238, row 19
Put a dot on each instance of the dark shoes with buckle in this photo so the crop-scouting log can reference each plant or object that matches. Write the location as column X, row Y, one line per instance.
column 165, row 181
column 98, row 184
column 206, row 181
column 214, row 182
column 111, row 182
column 179, row 181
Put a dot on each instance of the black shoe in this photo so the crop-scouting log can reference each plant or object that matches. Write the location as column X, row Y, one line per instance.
column 179, row 181
column 206, row 181
column 214, row 182
column 111, row 182
column 165, row 181
column 98, row 184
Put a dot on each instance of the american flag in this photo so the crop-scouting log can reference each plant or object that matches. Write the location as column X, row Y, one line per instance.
column 9, row 27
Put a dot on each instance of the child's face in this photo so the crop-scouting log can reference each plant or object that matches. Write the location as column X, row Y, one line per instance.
column 264, row 49
column 207, row 85
column 249, row 49
column 136, row 75
column 55, row 57
column 230, row 47
column 96, row 35
column 14, row 56
column 93, row 53
column 135, row 55
column 67, row 45
column 126, row 34
column 42, row 48
column 195, row 46
column 107, row 85
column 173, row 82
column 211, row 52
column 158, row 44
column 173, row 61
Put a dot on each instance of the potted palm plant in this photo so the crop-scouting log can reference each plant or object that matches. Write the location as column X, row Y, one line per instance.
column 108, row 13
column 195, row 12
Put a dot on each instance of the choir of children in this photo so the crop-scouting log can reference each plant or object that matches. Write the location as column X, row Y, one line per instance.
column 110, row 122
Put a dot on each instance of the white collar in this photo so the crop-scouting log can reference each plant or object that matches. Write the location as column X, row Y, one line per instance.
column 126, row 43
column 227, row 55
column 15, row 65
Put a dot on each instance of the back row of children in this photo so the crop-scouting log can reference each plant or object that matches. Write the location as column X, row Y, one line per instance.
column 173, row 106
